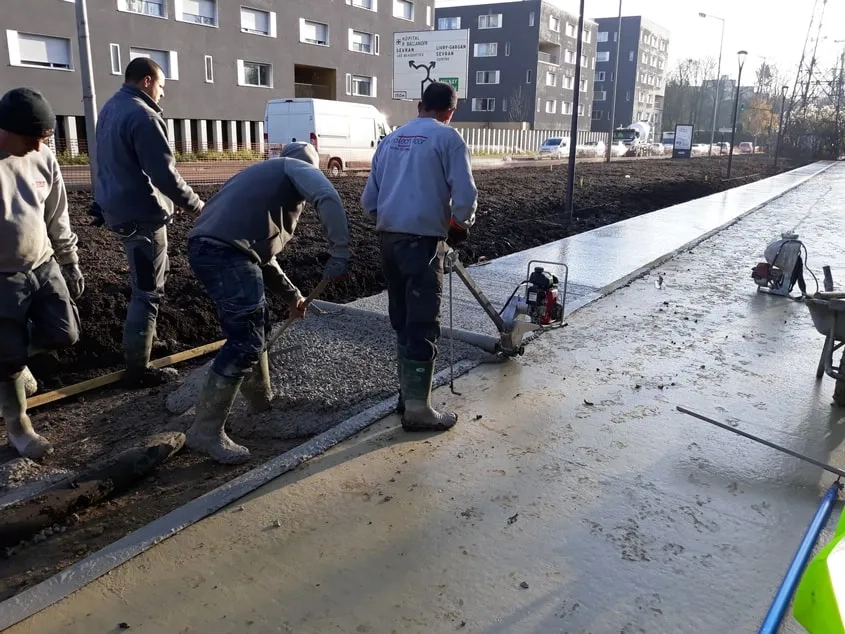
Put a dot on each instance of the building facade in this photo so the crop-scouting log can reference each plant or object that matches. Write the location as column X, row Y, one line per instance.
column 522, row 64
column 223, row 60
column 641, row 81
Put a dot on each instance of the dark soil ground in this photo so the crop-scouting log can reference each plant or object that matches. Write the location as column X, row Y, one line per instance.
column 518, row 208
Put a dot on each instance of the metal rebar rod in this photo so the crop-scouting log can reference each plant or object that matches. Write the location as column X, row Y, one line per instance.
column 774, row 617
column 762, row 441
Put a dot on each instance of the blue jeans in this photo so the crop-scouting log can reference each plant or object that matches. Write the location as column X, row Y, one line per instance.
column 236, row 286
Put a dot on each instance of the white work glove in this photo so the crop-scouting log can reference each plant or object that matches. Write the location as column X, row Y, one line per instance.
column 74, row 280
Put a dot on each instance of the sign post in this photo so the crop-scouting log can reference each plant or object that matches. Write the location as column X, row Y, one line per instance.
column 683, row 141
column 424, row 57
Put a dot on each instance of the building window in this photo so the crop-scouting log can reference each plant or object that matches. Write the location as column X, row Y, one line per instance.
column 568, row 82
column 26, row 49
column 584, row 85
column 154, row 8
column 116, row 67
column 569, row 56
column 585, row 36
column 580, row 110
column 566, row 107
column 528, row 77
column 507, row 48
column 551, row 106
column 361, row 42
column 602, row 36
column 531, row 19
column 603, row 56
column 600, row 95
column 597, row 114
column 486, row 49
column 166, row 59
column 600, row 75
column 196, row 11
column 209, row 69
column 486, row 104
column 487, row 77
column 551, row 79
column 313, row 32
column 616, row 36
column 448, row 24
column 361, row 86
column 645, row 58
column 370, row 5
column 628, row 95
column 491, row 21
column 554, row 23
column 255, row 74
column 258, row 22
column 571, row 29
column 631, row 56
column 504, row 105
column 403, row 9
column 585, row 63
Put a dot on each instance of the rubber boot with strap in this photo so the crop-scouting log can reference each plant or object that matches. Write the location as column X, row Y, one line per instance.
column 419, row 415
column 207, row 435
column 18, row 426
column 400, row 355
column 256, row 388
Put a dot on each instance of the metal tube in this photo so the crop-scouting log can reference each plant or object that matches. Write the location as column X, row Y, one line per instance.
column 573, row 129
column 736, row 109
column 790, row 452
column 615, row 84
column 780, row 603
column 718, row 90
column 89, row 95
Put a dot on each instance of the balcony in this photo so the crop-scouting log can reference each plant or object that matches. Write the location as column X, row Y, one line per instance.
column 549, row 53
column 548, row 58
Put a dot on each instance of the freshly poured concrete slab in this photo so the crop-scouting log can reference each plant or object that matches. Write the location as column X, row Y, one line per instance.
column 572, row 497
column 603, row 258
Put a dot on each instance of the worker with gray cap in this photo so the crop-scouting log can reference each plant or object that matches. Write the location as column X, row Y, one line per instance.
column 39, row 270
column 232, row 249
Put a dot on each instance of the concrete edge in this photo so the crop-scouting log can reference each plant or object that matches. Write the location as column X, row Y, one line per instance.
column 62, row 584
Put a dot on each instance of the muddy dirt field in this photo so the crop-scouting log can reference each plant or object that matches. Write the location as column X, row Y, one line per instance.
column 518, row 208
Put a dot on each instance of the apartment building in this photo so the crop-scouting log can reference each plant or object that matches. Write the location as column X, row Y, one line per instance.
column 223, row 60
column 641, row 83
column 522, row 64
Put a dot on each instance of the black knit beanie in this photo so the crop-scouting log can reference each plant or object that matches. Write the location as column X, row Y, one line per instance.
column 26, row 112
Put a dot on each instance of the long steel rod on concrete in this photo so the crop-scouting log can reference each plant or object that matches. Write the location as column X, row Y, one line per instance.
column 762, row 441
column 774, row 617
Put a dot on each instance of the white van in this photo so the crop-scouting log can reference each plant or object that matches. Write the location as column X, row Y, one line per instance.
column 344, row 133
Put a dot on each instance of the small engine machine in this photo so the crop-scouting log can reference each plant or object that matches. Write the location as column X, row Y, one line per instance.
column 543, row 298
column 783, row 267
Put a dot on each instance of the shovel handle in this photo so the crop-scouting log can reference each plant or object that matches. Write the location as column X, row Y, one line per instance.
column 317, row 290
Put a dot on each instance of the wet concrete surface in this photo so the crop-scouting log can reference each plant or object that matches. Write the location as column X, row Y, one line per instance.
column 573, row 497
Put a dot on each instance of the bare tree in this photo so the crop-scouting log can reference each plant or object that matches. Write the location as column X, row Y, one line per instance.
column 518, row 107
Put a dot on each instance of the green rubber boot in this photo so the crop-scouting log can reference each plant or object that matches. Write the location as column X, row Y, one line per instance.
column 419, row 415
column 256, row 386
column 207, row 435
column 137, row 347
column 18, row 426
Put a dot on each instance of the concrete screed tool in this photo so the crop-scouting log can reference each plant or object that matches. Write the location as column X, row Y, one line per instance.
column 536, row 304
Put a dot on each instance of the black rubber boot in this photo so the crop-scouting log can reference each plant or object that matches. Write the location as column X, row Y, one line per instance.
column 400, row 356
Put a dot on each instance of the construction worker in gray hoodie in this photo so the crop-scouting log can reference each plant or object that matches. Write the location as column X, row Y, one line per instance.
column 232, row 249
column 39, row 270
column 423, row 198
column 137, row 185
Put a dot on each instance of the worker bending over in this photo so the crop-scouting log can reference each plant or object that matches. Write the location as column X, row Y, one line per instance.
column 420, row 192
column 39, row 271
column 137, row 185
column 232, row 250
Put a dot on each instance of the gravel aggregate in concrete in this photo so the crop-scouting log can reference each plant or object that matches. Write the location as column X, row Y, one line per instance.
column 323, row 370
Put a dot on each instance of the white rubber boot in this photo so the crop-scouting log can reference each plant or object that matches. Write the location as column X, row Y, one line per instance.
column 207, row 435
column 18, row 426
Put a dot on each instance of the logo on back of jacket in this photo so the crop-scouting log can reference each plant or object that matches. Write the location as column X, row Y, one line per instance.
column 404, row 143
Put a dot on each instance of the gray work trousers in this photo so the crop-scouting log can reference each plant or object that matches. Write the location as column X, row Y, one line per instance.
column 36, row 312
column 146, row 254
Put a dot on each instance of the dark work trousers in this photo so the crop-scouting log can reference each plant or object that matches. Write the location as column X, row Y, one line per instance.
column 36, row 313
column 146, row 254
column 413, row 270
column 235, row 284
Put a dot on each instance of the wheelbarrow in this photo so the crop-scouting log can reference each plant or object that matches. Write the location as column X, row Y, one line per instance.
column 827, row 310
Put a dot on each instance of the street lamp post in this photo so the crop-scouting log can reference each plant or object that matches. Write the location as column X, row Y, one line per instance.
column 718, row 82
column 783, row 91
column 615, row 84
column 741, row 58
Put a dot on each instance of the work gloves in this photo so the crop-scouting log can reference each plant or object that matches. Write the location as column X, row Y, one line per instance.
column 457, row 234
column 74, row 280
column 336, row 268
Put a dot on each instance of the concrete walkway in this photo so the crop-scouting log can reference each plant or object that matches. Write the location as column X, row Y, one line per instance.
column 572, row 497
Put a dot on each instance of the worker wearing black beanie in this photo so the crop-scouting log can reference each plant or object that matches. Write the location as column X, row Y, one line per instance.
column 26, row 114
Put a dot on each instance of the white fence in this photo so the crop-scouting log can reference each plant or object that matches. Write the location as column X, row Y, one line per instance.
column 498, row 141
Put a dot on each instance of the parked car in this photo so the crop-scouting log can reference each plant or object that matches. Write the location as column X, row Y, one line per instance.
column 700, row 148
column 618, row 149
column 745, row 147
column 555, row 147
column 592, row 148
column 658, row 149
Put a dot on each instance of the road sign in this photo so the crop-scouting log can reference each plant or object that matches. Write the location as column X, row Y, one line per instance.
column 423, row 57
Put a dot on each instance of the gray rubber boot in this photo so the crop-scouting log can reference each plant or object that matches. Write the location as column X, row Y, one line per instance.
column 18, row 426
column 400, row 355
column 29, row 383
column 207, row 435
column 256, row 386
column 419, row 415
column 137, row 347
